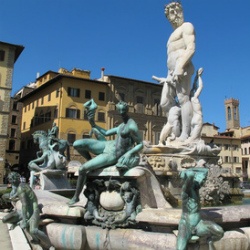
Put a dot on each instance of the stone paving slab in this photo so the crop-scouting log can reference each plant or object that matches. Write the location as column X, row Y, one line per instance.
column 12, row 239
column 5, row 241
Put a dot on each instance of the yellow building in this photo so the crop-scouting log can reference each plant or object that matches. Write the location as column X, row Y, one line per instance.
column 234, row 141
column 9, row 53
column 59, row 97
column 245, row 150
column 230, row 155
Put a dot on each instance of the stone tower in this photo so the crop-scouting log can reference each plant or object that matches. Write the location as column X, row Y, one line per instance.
column 232, row 113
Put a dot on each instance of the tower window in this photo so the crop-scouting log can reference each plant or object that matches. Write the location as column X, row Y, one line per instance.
column 229, row 114
column 235, row 114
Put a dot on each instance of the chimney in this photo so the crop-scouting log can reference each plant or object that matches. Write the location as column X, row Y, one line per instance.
column 102, row 73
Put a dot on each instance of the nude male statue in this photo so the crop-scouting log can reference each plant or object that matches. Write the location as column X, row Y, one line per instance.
column 180, row 49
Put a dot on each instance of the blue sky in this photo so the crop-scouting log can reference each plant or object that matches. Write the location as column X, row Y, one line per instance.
column 129, row 38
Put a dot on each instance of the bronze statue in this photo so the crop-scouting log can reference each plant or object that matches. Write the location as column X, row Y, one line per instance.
column 50, row 157
column 122, row 152
column 191, row 223
column 29, row 216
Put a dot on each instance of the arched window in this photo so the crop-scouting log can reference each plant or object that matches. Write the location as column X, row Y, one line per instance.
column 235, row 114
column 72, row 112
column 229, row 114
column 71, row 137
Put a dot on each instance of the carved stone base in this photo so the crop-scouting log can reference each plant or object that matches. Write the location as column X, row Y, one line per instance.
column 53, row 179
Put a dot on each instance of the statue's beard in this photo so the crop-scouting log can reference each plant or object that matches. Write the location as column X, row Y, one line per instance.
column 178, row 22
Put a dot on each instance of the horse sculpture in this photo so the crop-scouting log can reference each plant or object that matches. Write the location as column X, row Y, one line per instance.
column 41, row 137
column 49, row 156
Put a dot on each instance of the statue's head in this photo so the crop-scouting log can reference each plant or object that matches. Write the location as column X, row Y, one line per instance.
column 174, row 13
column 14, row 177
column 122, row 107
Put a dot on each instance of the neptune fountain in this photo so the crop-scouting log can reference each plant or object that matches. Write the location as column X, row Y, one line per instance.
column 124, row 199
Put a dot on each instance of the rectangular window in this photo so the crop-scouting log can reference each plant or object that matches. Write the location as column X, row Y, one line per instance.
column 226, row 159
column 12, row 145
column 33, row 105
column 49, row 97
column 2, row 55
column 87, row 94
column 13, row 119
column 24, row 125
column 72, row 113
column 13, row 132
column 74, row 92
column 57, row 93
column 235, row 159
column 71, row 138
column 101, row 96
column 41, row 100
column 101, row 117
column 15, row 106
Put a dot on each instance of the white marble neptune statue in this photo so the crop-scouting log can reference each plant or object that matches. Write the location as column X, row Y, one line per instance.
column 177, row 84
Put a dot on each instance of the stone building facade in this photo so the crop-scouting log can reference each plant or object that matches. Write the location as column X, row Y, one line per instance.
column 9, row 53
column 14, row 128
